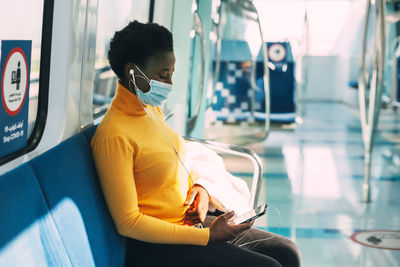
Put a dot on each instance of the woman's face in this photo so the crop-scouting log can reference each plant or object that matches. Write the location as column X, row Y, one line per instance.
column 159, row 67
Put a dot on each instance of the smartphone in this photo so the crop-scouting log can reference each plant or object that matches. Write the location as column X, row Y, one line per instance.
column 250, row 215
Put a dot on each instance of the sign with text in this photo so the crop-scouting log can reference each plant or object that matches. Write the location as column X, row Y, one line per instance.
column 15, row 72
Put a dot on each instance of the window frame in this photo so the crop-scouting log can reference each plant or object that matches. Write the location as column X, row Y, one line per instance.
column 44, row 76
column 101, row 110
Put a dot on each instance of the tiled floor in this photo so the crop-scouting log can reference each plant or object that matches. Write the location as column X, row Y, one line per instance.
column 313, row 175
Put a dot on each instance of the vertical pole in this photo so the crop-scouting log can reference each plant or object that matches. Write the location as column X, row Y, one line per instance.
column 366, row 190
column 253, row 87
column 369, row 120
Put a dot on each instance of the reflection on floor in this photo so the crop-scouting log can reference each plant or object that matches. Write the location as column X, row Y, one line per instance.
column 313, row 175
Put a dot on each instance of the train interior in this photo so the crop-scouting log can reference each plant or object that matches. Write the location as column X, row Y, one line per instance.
column 310, row 89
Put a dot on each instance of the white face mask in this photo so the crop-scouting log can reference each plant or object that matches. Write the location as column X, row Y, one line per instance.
column 158, row 93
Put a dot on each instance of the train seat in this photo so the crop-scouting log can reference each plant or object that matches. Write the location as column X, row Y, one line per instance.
column 69, row 180
column 233, row 92
column 231, row 102
column 53, row 212
column 29, row 236
column 282, row 82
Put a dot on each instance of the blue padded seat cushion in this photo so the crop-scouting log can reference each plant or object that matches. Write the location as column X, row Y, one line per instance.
column 69, row 180
column 29, row 236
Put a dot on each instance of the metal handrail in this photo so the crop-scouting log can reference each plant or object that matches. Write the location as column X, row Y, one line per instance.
column 394, row 81
column 242, row 152
column 266, row 76
column 198, row 29
column 369, row 121
column 218, row 28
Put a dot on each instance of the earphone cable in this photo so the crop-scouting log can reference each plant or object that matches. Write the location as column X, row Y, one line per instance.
column 162, row 132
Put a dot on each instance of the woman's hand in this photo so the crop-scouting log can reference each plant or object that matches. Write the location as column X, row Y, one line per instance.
column 223, row 230
column 197, row 203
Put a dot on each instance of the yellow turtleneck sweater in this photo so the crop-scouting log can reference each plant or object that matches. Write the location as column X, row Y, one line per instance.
column 143, row 182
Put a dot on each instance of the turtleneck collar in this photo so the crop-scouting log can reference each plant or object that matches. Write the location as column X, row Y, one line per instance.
column 127, row 102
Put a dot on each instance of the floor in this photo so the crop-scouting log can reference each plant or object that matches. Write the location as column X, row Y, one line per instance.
column 313, row 175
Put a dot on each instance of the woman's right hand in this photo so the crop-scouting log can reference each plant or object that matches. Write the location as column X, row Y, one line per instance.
column 223, row 230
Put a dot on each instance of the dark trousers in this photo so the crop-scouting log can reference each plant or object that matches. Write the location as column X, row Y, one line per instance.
column 275, row 252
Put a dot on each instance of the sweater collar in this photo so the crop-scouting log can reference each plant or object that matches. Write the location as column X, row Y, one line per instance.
column 127, row 102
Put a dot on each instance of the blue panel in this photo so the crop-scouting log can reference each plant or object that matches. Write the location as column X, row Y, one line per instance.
column 28, row 236
column 68, row 177
column 235, row 50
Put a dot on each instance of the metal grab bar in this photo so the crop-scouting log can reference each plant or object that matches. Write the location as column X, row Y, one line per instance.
column 198, row 29
column 394, row 81
column 369, row 124
column 265, row 78
column 242, row 152
column 218, row 22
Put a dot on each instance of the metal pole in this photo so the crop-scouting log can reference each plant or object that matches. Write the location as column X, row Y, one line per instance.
column 265, row 78
column 361, row 99
column 369, row 121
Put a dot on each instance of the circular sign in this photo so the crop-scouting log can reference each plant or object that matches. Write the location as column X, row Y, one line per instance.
column 383, row 239
column 14, row 82
column 277, row 52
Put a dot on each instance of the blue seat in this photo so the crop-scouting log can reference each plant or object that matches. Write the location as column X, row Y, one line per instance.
column 233, row 94
column 231, row 101
column 69, row 180
column 53, row 213
column 353, row 84
column 29, row 236
column 281, row 80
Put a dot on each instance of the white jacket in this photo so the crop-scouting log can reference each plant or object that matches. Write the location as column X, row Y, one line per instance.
column 226, row 191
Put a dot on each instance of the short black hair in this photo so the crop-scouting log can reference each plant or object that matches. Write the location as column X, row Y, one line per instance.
column 135, row 43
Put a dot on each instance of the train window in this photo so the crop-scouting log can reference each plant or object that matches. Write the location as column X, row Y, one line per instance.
column 25, row 42
column 112, row 16
column 285, row 20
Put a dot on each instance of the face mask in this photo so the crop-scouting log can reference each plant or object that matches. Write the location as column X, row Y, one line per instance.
column 158, row 93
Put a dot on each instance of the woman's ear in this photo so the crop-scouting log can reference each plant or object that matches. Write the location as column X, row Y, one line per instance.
column 128, row 68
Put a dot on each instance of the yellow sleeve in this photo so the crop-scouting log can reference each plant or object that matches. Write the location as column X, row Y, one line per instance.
column 113, row 157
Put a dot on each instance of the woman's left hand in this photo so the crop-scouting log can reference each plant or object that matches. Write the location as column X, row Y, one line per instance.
column 198, row 207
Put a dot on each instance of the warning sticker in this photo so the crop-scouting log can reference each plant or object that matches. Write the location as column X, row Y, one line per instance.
column 14, row 88
column 14, row 81
column 383, row 239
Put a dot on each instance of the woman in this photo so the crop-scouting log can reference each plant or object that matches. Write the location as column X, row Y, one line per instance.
column 150, row 195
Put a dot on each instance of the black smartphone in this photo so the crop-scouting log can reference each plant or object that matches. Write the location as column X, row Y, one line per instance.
column 250, row 215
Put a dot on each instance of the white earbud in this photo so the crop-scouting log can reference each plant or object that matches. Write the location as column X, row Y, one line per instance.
column 131, row 72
